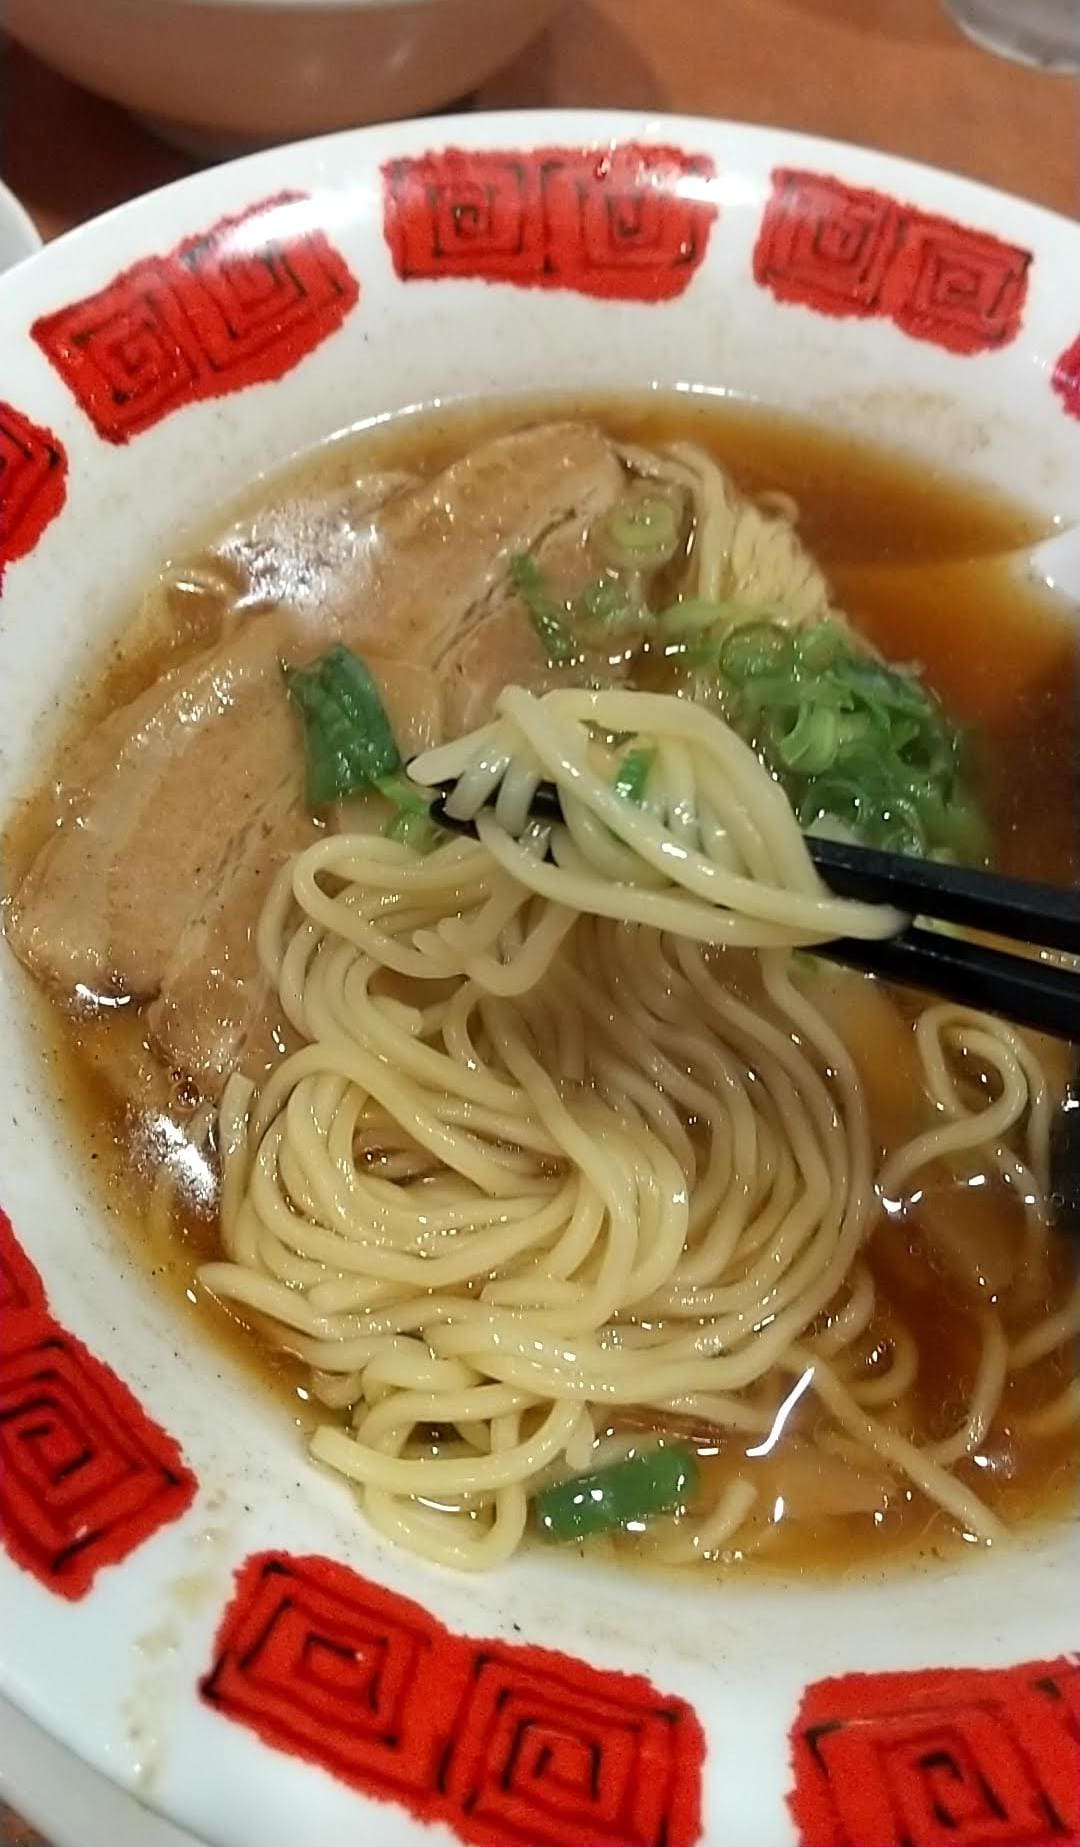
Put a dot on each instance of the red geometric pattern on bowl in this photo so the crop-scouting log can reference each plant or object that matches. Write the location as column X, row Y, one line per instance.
column 33, row 483
column 85, row 1475
column 505, row 1744
column 845, row 250
column 1066, row 380
column 320, row 1663
column 951, row 1758
column 20, row 1284
column 629, row 223
column 237, row 305
column 546, row 1741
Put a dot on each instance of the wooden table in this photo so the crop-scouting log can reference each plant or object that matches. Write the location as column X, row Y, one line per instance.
column 894, row 74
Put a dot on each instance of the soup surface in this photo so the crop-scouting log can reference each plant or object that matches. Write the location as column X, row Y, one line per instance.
column 910, row 558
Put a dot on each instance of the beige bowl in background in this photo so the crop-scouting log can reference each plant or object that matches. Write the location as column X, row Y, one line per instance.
column 216, row 75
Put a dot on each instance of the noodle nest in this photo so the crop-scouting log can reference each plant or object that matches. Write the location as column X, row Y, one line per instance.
column 569, row 1149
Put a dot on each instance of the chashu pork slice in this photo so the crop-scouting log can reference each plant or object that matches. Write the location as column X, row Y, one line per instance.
column 214, row 1002
column 173, row 814
column 499, row 646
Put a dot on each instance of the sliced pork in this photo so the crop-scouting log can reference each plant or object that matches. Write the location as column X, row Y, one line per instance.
column 172, row 815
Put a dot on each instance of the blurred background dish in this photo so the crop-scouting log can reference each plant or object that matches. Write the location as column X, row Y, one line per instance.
column 79, row 1806
column 1041, row 32
column 216, row 76
column 18, row 236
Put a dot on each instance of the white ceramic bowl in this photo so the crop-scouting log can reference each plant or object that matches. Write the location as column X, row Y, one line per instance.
column 218, row 75
column 738, row 259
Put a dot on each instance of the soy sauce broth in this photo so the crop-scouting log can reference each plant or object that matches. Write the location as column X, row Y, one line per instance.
column 907, row 551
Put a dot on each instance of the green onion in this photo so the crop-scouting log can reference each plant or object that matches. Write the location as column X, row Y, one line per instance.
column 347, row 733
column 754, row 649
column 895, row 833
column 641, row 532
column 849, row 738
column 695, row 615
column 350, row 744
column 545, row 612
column 632, row 775
column 699, row 615
column 960, row 831
column 604, row 602
column 812, row 743
column 818, row 646
column 837, row 797
column 653, row 1481
column 411, row 821
column 606, row 610
column 416, row 831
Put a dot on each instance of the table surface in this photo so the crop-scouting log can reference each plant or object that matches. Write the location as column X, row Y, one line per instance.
column 894, row 74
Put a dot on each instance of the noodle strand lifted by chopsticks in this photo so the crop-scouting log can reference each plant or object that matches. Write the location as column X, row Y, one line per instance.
column 547, row 1153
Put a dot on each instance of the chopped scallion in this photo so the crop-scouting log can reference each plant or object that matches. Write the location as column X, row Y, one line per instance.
column 350, row 743
column 347, row 733
column 653, row 1481
column 410, row 821
column 642, row 532
column 633, row 774
column 604, row 602
column 546, row 614
column 606, row 610
column 756, row 648
column 812, row 743
column 851, row 739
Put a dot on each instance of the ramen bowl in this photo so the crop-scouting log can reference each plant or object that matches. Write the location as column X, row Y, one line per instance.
column 190, row 1605
column 216, row 76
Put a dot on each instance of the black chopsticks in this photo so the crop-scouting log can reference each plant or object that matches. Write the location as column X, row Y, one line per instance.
column 1019, row 988
column 1015, row 908
column 1024, row 989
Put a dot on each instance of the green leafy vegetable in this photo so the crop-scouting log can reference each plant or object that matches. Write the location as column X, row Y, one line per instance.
column 348, row 735
column 851, row 739
column 350, row 743
column 654, row 1481
column 546, row 614
column 633, row 774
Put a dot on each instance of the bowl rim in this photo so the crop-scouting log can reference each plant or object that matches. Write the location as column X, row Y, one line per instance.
column 532, row 126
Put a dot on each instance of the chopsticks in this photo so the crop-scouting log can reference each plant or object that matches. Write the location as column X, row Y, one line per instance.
column 1022, row 989
column 1015, row 908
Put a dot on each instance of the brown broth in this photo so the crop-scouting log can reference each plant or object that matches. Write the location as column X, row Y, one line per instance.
column 902, row 546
